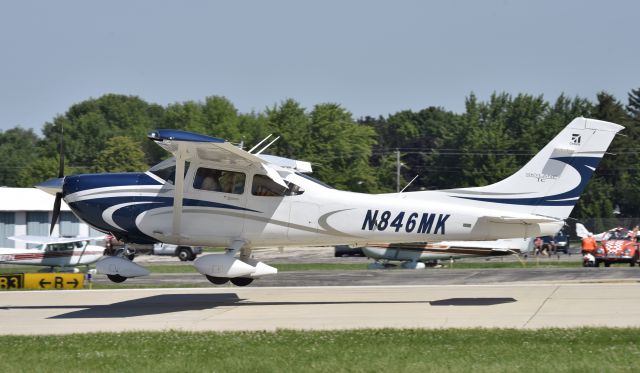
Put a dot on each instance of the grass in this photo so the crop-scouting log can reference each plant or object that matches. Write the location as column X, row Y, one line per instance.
column 285, row 267
column 381, row 350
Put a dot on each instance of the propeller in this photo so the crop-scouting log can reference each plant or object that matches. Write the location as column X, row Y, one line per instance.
column 56, row 205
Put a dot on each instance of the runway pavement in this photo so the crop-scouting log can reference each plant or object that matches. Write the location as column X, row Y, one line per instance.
column 523, row 305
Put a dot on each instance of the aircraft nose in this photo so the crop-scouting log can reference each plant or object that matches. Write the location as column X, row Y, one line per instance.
column 52, row 186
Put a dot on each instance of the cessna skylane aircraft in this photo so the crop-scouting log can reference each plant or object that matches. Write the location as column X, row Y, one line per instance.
column 52, row 252
column 415, row 255
column 212, row 193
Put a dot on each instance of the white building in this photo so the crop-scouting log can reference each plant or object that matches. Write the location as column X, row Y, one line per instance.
column 28, row 211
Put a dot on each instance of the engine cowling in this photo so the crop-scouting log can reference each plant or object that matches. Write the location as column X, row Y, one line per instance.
column 222, row 265
column 115, row 265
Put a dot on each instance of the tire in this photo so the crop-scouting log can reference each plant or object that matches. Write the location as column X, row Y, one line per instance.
column 184, row 254
column 607, row 264
column 241, row 281
column 597, row 264
column 116, row 278
column 217, row 280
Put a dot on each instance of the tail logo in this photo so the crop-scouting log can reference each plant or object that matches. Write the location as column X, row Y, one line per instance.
column 575, row 139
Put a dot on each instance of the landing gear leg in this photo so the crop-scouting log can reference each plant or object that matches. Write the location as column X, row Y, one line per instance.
column 127, row 253
column 245, row 255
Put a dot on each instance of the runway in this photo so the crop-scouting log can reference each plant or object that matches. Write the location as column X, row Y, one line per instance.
column 523, row 305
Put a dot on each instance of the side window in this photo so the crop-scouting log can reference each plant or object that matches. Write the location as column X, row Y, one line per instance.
column 265, row 187
column 219, row 180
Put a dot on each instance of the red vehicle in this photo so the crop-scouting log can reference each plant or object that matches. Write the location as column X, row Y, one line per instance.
column 618, row 246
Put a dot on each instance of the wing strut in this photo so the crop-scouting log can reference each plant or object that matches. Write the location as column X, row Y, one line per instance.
column 178, row 193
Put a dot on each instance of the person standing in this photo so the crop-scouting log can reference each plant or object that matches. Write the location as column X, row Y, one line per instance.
column 588, row 244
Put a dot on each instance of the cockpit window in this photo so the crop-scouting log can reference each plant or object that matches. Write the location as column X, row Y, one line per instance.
column 265, row 187
column 219, row 180
column 67, row 246
column 166, row 170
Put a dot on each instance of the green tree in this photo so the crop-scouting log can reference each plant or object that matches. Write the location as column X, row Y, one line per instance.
column 341, row 148
column 633, row 107
column 37, row 171
column 121, row 154
column 289, row 121
column 18, row 148
column 88, row 126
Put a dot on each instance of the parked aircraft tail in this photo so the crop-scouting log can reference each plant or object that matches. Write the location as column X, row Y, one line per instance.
column 550, row 184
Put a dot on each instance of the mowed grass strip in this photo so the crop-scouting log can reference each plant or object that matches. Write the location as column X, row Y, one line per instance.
column 284, row 267
column 382, row 350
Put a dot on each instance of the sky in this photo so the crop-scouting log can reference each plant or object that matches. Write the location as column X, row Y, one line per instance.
column 372, row 57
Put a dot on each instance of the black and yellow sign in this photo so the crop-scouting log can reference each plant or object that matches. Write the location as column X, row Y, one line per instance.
column 42, row 281
column 11, row 281
column 53, row 280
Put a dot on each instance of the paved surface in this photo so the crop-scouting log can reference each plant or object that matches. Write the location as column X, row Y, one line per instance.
column 505, row 306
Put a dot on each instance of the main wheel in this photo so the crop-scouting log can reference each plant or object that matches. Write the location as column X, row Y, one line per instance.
column 184, row 254
column 217, row 280
column 241, row 281
column 116, row 278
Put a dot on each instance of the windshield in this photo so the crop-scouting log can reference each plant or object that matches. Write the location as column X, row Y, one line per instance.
column 166, row 170
column 618, row 234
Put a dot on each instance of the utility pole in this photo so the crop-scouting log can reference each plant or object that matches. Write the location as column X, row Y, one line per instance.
column 398, row 164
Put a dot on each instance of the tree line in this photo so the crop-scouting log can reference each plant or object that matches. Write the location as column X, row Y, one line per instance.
column 487, row 142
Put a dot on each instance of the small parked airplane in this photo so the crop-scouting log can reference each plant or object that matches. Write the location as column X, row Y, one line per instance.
column 52, row 252
column 212, row 193
column 415, row 255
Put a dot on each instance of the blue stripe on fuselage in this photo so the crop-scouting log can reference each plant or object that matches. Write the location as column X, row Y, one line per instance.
column 77, row 183
column 585, row 167
column 90, row 210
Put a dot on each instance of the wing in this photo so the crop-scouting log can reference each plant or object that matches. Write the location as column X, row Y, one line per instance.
column 187, row 145
column 40, row 240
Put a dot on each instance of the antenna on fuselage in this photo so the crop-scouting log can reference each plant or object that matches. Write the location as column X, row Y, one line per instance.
column 268, row 145
column 258, row 144
column 412, row 180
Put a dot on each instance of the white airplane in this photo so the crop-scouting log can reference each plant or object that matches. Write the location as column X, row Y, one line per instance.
column 52, row 252
column 414, row 255
column 582, row 232
column 212, row 193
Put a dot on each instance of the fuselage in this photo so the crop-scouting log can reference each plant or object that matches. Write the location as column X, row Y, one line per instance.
column 53, row 255
column 243, row 204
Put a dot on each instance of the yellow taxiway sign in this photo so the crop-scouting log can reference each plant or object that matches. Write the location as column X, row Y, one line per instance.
column 42, row 281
